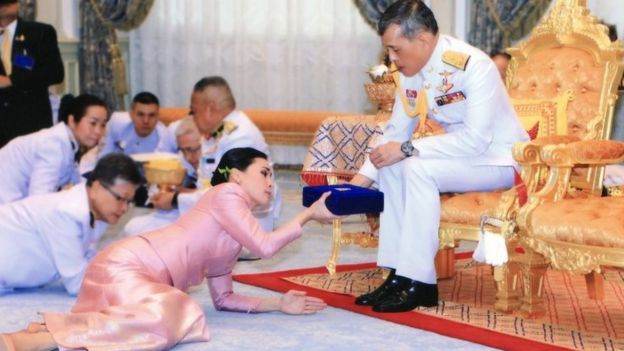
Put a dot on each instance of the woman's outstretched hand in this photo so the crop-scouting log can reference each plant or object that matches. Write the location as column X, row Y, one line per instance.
column 297, row 302
column 319, row 210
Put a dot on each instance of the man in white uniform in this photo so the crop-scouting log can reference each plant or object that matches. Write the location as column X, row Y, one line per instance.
column 137, row 131
column 459, row 87
column 170, row 205
column 222, row 127
column 48, row 237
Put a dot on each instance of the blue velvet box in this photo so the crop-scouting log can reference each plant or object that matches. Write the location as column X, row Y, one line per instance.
column 345, row 199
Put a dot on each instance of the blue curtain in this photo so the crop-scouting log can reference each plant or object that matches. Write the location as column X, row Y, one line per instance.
column 495, row 24
column 102, row 69
column 372, row 10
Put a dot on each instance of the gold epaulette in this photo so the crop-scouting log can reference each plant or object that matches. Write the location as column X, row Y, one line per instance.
column 229, row 127
column 456, row 59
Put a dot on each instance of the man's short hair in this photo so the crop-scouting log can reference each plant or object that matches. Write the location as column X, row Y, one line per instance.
column 221, row 84
column 115, row 166
column 146, row 98
column 6, row 2
column 186, row 126
column 413, row 16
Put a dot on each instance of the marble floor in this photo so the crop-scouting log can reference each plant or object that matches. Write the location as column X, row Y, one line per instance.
column 331, row 329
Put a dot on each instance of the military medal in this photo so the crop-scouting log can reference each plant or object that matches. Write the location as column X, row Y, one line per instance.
column 446, row 86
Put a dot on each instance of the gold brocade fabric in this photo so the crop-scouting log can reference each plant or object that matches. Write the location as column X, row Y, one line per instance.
column 553, row 71
column 595, row 221
column 598, row 149
column 467, row 208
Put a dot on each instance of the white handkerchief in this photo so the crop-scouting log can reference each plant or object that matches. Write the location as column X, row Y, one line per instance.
column 491, row 249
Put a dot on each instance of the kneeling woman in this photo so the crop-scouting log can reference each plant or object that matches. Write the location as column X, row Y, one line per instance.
column 133, row 298
column 44, row 161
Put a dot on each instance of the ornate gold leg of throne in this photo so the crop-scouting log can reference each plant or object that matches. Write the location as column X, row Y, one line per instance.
column 533, row 268
column 363, row 239
column 508, row 281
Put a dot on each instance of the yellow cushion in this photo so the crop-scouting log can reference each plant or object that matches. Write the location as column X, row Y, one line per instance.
column 467, row 208
column 548, row 114
column 595, row 221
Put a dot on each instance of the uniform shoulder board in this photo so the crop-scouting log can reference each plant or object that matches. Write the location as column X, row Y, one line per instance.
column 456, row 59
column 229, row 127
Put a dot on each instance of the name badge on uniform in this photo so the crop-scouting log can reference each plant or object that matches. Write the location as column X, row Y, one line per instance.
column 450, row 98
column 411, row 96
column 24, row 62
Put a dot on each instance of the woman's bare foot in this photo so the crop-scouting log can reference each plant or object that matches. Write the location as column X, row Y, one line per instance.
column 27, row 341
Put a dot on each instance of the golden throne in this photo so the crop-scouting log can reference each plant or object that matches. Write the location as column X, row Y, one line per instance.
column 567, row 224
column 567, row 70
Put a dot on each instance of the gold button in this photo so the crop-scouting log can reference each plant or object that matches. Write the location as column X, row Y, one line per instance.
column 427, row 85
column 435, row 110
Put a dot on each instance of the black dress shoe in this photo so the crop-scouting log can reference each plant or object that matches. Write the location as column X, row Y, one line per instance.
column 393, row 282
column 413, row 295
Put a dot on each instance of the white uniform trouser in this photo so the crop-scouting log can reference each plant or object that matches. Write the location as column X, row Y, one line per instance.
column 408, row 235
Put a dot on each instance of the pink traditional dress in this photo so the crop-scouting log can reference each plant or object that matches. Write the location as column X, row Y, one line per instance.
column 132, row 296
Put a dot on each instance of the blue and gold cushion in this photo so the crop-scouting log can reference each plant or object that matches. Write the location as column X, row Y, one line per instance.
column 345, row 199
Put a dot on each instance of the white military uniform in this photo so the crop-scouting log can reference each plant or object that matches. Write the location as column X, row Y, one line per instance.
column 239, row 131
column 122, row 137
column 41, row 241
column 38, row 163
column 470, row 101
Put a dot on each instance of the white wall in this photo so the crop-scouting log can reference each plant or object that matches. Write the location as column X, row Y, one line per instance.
column 452, row 15
column 611, row 11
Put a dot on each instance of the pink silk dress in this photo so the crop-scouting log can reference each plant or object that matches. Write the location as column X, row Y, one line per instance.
column 133, row 293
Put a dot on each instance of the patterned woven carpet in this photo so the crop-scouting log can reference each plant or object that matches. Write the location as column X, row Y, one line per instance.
column 572, row 321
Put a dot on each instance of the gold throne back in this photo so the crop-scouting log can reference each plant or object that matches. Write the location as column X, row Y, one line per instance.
column 565, row 76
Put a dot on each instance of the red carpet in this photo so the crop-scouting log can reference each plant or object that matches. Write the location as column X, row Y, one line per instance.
column 466, row 311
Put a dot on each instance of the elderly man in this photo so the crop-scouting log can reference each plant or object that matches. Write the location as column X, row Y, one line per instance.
column 44, row 238
column 459, row 87
column 171, row 205
column 224, row 127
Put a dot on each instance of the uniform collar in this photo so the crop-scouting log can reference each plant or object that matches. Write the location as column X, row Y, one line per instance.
column 434, row 59
column 217, row 131
column 75, row 145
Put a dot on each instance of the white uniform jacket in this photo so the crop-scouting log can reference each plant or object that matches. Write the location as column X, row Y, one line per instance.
column 480, row 122
column 47, row 237
column 122, row 137
column 38, row 163
column 245, row 134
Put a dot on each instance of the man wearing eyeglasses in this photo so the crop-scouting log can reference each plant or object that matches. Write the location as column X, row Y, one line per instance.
column 169, row 205
column 50, row 237
column 221, row 127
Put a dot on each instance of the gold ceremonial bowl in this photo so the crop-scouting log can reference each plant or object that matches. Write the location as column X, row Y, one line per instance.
column 165, row 173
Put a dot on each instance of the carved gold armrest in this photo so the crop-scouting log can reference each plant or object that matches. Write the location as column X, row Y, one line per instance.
column 561, row 159
column 528, row 156
column 589, row 152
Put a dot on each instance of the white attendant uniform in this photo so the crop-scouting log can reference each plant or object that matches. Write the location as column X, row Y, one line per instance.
column 47, row 237
column 246, row 134
column 475, row 154
column 38, row 163
column 122, row 137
